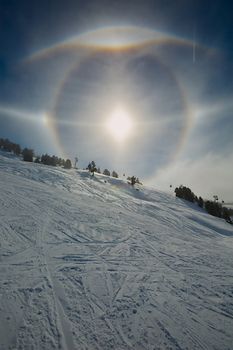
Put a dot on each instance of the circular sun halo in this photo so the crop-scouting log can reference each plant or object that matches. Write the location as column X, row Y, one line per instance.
column 119, row 125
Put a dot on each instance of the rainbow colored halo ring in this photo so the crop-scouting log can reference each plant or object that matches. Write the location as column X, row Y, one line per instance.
column 131, row 42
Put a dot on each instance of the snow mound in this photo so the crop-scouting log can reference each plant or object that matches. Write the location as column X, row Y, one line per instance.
column 93, row 263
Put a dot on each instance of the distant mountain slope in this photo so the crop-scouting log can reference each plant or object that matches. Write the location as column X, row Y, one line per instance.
column 92, row 263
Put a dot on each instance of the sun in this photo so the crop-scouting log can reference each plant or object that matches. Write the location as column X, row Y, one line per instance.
column 119, row 126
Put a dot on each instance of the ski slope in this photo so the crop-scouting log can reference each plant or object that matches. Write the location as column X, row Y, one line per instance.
column 91, row 263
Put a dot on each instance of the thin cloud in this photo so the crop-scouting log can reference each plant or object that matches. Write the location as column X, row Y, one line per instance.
column 207, row 176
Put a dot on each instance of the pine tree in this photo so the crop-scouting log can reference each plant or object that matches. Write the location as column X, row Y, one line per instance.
column 106, row 172
column 133, row 180
column 114, row 174
column 200, row 202
column 27, row 155
column 185, row 193
column 226, row 214
column 92, row 167
column 67, row 164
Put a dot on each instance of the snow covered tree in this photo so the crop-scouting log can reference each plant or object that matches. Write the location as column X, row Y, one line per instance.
column 185, row 193
column 92, row 167
column 137, row 181
column 67, row 164
column 226, row 214
column 106, row 172
column 200, row 202
column 213, row 208
column 114, row 174
column 9, row 146
column 27, row 155
column 133, row 180
column 16, row 149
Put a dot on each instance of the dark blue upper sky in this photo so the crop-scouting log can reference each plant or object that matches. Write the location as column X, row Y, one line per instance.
column 179, row 94
column 28, row 24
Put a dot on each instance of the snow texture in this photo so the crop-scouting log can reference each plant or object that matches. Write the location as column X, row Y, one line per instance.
column 92, row 263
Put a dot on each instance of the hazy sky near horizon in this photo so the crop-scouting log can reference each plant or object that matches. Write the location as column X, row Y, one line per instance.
column 67, row 68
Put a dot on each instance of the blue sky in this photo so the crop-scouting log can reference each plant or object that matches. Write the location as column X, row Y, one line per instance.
column 66, row 67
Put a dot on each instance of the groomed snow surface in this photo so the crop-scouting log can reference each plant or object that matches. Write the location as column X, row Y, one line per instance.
column 92, row 263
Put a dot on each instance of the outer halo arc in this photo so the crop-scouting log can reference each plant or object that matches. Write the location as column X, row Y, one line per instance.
column 81, row 42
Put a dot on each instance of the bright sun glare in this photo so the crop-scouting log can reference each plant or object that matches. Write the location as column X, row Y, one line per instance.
column 119, row 125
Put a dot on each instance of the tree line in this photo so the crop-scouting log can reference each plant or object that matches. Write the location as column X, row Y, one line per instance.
column 212, row 207
column 28, row 154
column 92, row 168
column 9, row 146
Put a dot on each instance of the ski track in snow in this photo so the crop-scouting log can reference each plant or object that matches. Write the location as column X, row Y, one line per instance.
column 91, row 263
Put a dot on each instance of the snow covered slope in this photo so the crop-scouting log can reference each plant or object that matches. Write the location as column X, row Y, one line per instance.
column 90, row 263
